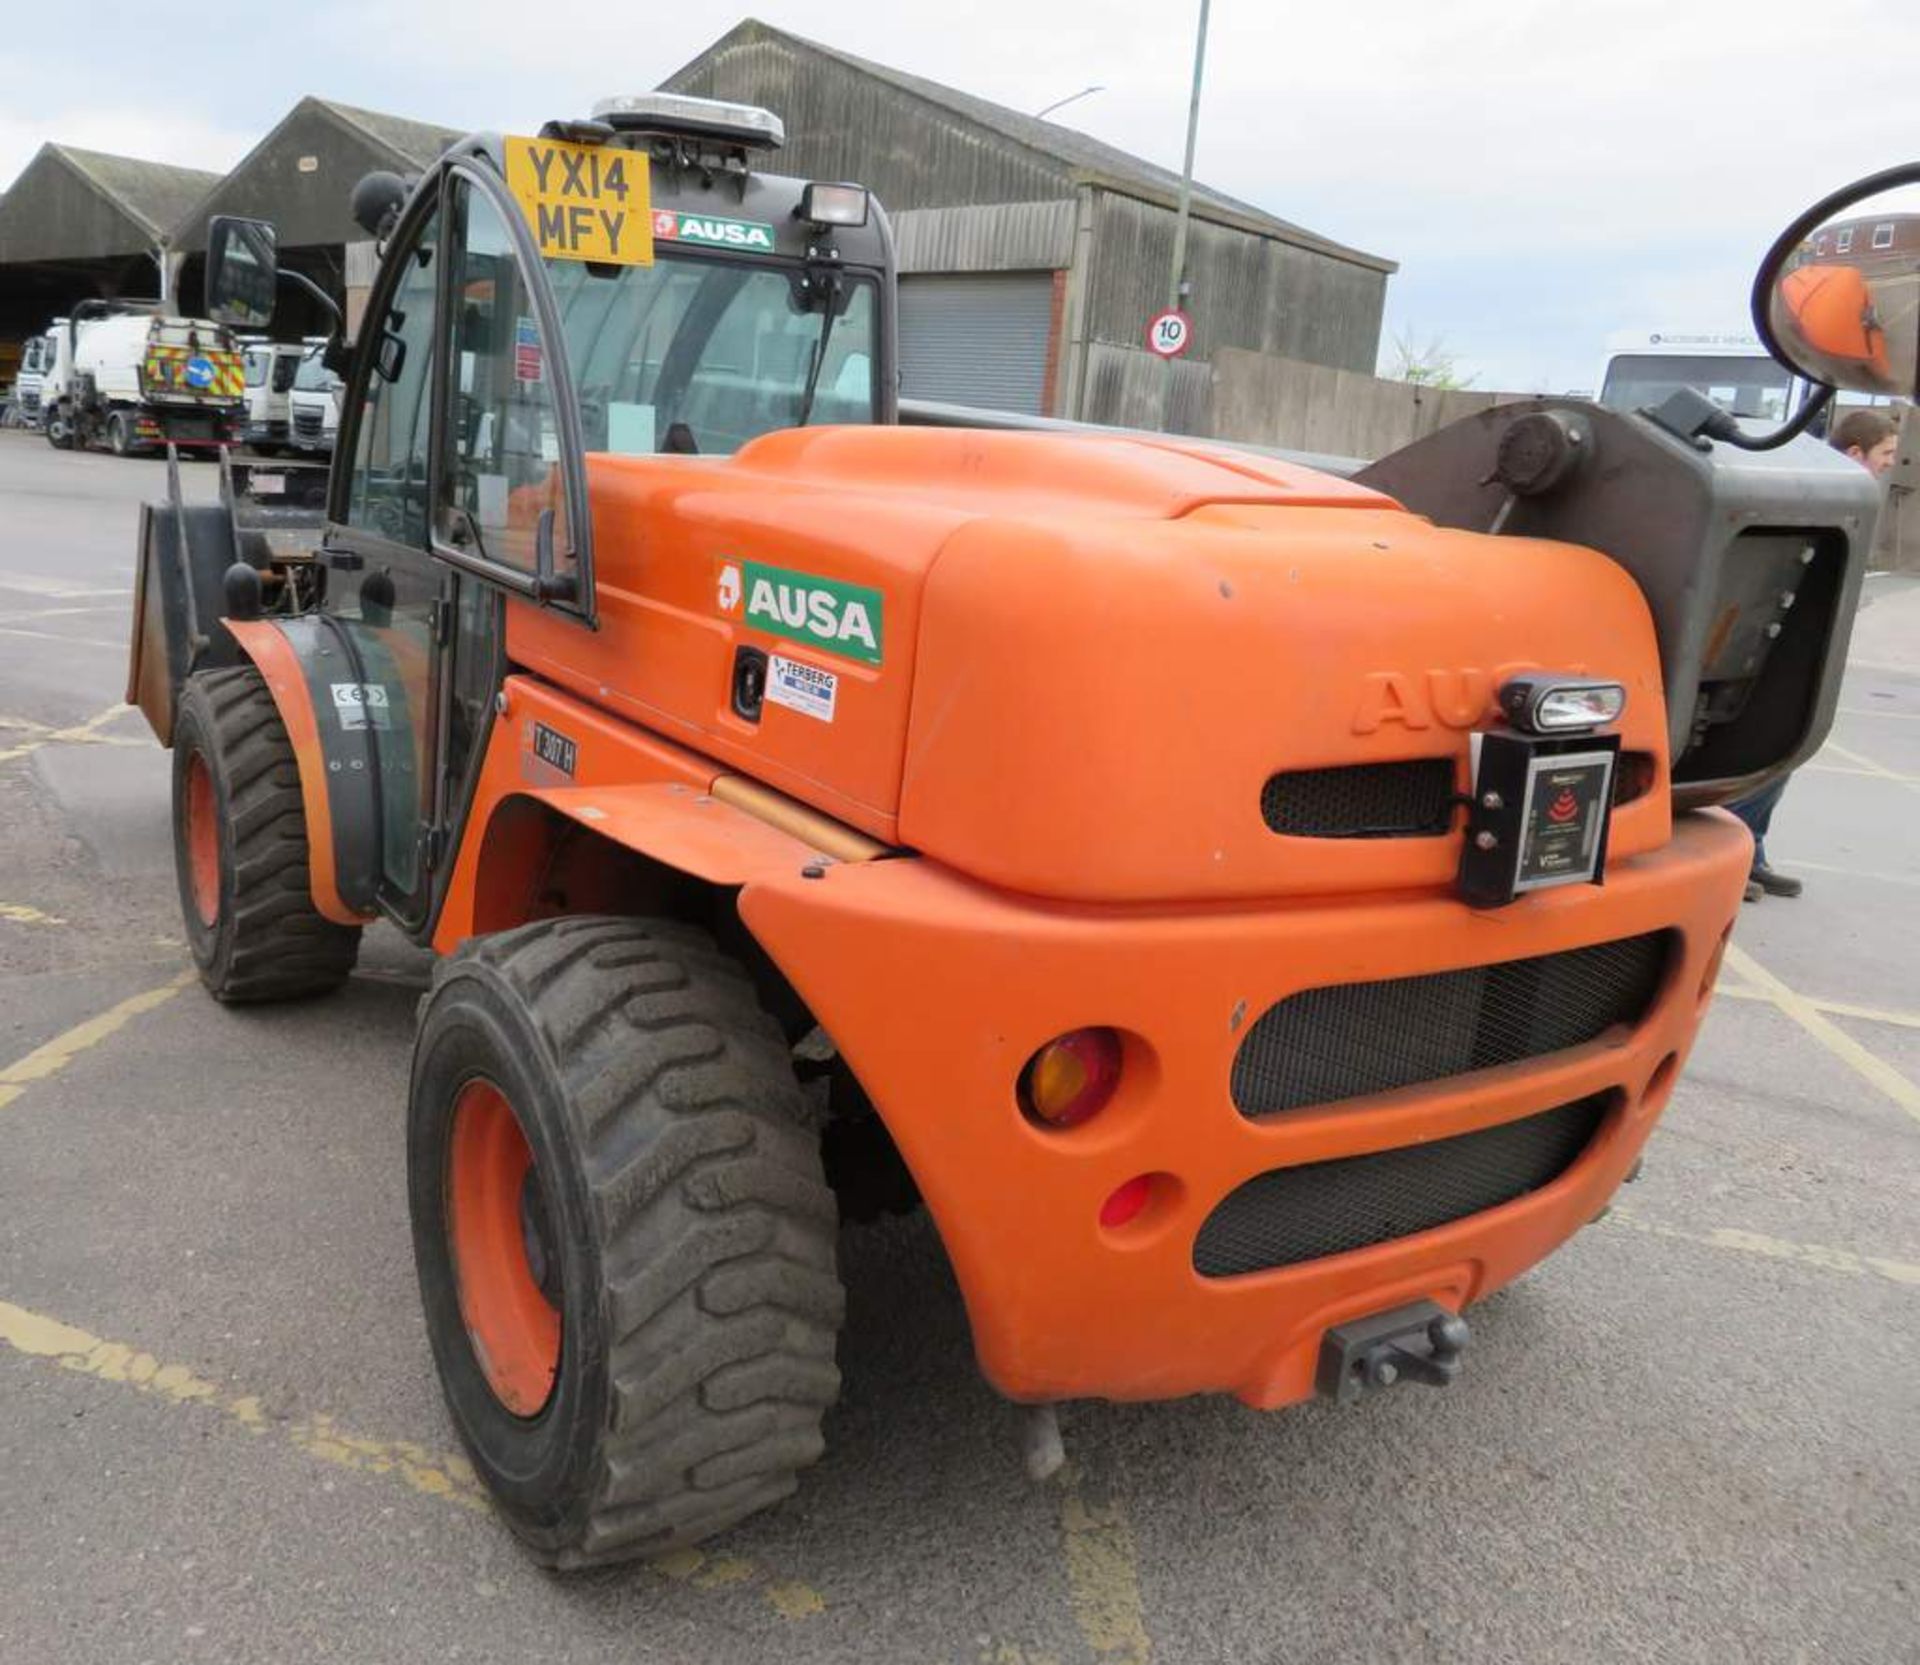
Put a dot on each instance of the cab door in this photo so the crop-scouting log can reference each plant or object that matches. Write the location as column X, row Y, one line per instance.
column 456, row 487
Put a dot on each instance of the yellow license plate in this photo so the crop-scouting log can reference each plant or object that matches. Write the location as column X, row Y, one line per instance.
column 584, row 202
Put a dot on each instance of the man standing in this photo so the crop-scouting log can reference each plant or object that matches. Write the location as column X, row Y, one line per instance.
column 1870, row 439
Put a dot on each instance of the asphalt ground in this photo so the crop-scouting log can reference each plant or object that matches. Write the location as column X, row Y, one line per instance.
column 1694, row 1434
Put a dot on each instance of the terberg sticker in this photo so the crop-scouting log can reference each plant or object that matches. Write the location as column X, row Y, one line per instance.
column 800, row 687
column 842, row 618
column 677, row 227
column 584, row 202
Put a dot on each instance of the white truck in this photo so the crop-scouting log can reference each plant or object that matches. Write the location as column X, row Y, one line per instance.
column 270, row 370
column 129, row 376
column 1730, row 366
column 315, row 402
column 29, row 382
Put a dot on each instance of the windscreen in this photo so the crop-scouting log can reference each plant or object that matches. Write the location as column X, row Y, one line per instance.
column 313, row 375
column 697, row 355
column 1754, row 386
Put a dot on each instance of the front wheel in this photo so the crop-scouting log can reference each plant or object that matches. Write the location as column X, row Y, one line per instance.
column 59, row 430
column 240, row 847
column 624, row 1239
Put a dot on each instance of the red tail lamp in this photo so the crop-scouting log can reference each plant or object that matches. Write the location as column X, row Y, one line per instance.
column 1126, row 1202
column 1071, row 1078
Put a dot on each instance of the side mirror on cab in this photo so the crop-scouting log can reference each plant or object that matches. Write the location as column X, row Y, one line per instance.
column 1837, row 299
column 243, row 269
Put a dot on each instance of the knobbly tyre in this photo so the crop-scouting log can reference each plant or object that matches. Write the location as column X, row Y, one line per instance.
column 1178, row 868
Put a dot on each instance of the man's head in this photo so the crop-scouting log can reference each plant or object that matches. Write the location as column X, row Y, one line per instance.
column 1867, row 437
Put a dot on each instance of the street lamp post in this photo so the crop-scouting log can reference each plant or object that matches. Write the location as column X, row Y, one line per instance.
column 1178, row 273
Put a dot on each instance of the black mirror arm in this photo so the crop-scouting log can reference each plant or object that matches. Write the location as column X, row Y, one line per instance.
column 301, row 281
column 1723, row 427
column 1689, row 414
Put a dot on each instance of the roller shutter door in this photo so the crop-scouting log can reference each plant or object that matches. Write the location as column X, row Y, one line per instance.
column 978, row 339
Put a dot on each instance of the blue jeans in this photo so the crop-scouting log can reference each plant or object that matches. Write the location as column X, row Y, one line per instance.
column 1757, row 812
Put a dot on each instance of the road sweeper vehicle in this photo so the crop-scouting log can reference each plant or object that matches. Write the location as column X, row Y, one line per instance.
column 131, row 376
column 1256, row 913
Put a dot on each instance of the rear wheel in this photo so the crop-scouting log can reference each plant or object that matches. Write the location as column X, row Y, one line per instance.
column 240, row 847
column 624, row 1239
column 119, row 434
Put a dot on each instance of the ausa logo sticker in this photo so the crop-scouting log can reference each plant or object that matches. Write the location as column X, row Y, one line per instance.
column 847, row 619
column 675, row 227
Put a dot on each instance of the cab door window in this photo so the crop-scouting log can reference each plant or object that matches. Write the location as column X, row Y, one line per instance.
column 387, row 494
column 504, row 442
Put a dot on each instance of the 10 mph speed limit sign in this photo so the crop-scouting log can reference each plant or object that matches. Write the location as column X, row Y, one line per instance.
column 1169, row 333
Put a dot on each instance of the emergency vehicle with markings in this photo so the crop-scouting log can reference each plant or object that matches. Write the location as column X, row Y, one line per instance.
column 131, row 376
column 1257, row 914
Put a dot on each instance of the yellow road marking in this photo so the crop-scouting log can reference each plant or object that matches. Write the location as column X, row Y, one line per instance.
column 79, row 731
column 1856, row 872
column 70, row 641
column 59, row 1052
column 1830, row 1035
column 1816, row 1255
column 1103, row 1579
column 27, row 616
column 1866, row 765
column 1862, row 711
column 39, row 1337
column 441, row 1475
column 21, row 914
column 1833, row 1008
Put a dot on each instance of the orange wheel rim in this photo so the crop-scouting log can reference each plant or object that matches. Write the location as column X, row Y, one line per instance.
column 203, row 840
column 497, row 1231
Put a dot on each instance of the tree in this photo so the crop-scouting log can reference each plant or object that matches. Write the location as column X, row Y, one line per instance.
column 1431, row 365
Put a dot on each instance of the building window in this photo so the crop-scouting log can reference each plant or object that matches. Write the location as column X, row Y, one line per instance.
column 1883, row 236
column 1845, row 241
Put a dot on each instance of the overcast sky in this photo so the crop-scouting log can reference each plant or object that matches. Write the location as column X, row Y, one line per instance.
column 1544, row 174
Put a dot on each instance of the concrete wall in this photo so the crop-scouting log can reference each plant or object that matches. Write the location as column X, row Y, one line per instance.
column 1310, row 407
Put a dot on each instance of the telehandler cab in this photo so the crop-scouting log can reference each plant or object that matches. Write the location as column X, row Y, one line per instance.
column 1181, row 869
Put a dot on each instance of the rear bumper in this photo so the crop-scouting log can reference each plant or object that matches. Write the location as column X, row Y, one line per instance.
column 937, row 991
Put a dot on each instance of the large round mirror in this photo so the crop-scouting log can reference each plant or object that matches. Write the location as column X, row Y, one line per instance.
column 1838, row 297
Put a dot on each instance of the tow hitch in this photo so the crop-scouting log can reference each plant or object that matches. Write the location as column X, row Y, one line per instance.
column 1417, row 1343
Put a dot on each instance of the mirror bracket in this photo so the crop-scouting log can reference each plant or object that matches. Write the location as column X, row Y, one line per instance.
column 1690, row 415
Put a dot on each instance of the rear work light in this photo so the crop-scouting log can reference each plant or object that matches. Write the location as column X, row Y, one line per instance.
column 1071, row 1078
column 1560, row 704
column 834, row 204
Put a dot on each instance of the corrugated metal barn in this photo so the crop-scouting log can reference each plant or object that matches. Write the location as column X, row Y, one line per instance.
column 79, row 223
column 1033, row 256
column 301, row 177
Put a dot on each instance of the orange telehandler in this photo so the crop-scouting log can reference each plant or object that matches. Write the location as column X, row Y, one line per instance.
column 1256, row 912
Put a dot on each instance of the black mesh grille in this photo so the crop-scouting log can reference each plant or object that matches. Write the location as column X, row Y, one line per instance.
column 1330, row 1208
column 1354, row 1038
column 1364, row 800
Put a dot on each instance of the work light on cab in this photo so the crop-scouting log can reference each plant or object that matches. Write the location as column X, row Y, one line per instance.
column 1071, row 1078
column 1561, row 705
column 822, row 204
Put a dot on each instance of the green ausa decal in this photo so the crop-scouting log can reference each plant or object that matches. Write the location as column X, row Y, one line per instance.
column 846, row 619
column 676, row 227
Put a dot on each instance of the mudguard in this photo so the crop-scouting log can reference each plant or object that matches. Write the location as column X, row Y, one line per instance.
column 302, row 659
